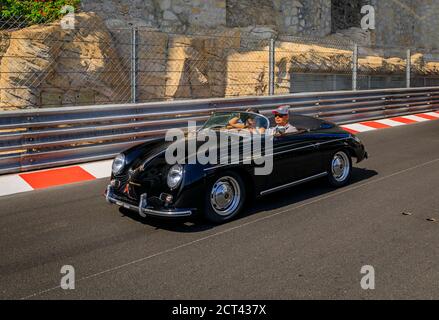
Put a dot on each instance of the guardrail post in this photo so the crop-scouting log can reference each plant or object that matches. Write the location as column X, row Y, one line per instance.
column 355, row 67
column 134, row 65
column 409, row 68
column 271, row 70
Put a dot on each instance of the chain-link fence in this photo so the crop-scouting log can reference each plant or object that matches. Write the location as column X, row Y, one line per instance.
column 86, row 62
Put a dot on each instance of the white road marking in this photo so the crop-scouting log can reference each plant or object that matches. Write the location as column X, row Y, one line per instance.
column 415, row 118
column 13, row 183
column 389, row 122
column 433, row 114
column 101, row 169
column 358, row 127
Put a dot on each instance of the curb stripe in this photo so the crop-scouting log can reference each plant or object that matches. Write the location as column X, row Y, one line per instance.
column 56, row 177
column 349, row 130
column 415, row 118
column 433, row 114
column 98, row 169
column 426, row 116
column 358, row 127
column 12, row 184
column 404, row 120
column 390, row 123
column 376, row 125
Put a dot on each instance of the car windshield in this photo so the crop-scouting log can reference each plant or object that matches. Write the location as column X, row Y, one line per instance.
column 236, row 120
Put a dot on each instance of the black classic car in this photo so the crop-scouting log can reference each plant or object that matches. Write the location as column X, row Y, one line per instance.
column 143, row 180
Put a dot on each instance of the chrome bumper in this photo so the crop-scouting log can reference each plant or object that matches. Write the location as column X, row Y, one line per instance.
column 143, row 208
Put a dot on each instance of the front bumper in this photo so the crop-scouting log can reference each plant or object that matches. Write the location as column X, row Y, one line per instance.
column 143, row 209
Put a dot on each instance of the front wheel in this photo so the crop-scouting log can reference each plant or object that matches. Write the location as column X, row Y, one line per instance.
column 340, row 169
column 225, row 197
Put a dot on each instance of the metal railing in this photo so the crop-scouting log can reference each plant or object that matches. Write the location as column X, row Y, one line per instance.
column 36, row 139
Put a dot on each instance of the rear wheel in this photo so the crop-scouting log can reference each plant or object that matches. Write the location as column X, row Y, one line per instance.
column 225, row 197
column 340, row 169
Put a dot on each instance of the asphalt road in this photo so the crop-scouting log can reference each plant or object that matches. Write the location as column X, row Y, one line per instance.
column 306, row 242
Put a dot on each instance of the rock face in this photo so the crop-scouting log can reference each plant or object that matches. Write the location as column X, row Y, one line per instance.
column 293, row 17
column 166, row 15
column 44, row 66
column 49, row 66
column 244, row 13
column 398, row 22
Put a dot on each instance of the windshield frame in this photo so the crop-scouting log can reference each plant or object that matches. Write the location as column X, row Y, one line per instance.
column 267, row 122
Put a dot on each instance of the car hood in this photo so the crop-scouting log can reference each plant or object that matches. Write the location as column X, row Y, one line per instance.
column 148, row 151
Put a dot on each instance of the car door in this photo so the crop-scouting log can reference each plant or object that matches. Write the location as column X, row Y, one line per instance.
column 295, row 157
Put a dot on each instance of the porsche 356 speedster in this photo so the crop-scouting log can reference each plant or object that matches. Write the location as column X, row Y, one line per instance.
column 144, row 181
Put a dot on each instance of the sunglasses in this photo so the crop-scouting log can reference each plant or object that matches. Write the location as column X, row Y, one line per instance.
column 280, row 115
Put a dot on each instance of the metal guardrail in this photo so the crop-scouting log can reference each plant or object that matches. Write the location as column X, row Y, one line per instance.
column 42, row 138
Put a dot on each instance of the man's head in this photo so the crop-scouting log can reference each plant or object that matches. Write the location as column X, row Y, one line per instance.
column 281, row 115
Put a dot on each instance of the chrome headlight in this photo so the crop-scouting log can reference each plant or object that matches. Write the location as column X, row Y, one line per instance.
column 175, row 175
column 118, row 163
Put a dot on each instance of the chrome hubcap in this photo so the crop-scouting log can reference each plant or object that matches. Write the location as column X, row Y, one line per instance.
column 225, row 196
column 340, row 166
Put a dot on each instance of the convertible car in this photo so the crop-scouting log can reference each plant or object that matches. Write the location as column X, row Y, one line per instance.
column 143, row 181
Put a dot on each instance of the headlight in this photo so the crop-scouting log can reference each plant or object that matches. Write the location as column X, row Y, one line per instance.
column 175, row 176
column 118, row 163
column 356, row 139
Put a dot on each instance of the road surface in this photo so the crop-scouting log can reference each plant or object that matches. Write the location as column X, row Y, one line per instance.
column 310, row 241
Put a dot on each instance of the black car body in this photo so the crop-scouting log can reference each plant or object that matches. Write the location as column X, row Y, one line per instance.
column 319, row 149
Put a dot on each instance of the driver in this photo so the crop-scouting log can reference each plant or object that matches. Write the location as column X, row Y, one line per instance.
column 282, row 119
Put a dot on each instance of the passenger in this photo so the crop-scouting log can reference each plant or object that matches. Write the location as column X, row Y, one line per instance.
column 252, row 124
column 238, row 123
column 282, row 119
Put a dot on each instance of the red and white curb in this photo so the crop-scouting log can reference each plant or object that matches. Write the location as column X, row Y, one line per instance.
column 17, row 183
column 42, row 179
column 390, row 122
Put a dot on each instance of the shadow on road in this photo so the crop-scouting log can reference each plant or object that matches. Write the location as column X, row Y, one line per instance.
column 271, row 202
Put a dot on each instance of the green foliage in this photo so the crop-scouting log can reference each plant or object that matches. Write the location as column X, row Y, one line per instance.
column 33, row 11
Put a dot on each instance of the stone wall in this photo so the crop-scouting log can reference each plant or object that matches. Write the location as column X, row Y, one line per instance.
column 399, row 22
column 293, row 17
column 173, row 15
column 407, row 23
column 304, row 17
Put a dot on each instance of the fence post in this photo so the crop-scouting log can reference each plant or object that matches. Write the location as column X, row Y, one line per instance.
column 134, row 65
column 409, row 68
column 355, row 67
column 271, row 70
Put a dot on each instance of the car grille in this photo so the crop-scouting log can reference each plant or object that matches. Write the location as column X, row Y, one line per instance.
column 150, row 182
column 125, row 188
